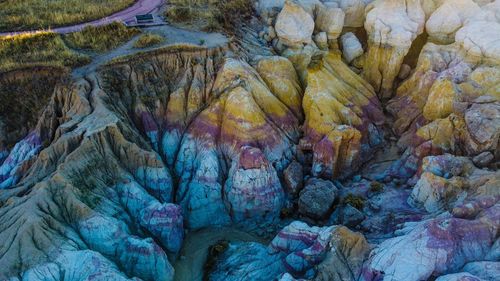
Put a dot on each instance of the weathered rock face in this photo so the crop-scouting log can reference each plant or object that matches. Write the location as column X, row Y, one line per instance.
column 92, row 194
column 449, row 104
column 104, row 182
column 294, row 178
column 253, row 190
column 246, row 114
column 448, row 181
column 294, row 252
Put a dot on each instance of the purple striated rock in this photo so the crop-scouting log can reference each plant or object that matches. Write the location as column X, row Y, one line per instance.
column 199, row 192
column 437, row 246
column 297, row 252
column 150, row 127
column 145, row 259
column 471, row 209
column 301, row 247
column 165, row 222
column 253, row 190
column 162, row 220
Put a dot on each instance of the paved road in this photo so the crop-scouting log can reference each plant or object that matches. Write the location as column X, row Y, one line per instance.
column 126, row 16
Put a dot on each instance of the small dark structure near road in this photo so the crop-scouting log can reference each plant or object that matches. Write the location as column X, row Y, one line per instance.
column 143, row 19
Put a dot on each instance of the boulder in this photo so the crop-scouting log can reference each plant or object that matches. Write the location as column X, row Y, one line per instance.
column 478, row 36
column 294, row 26
column 449, row 181
column 448, row 18
column 483, row 159
column 317, row 198
column 294, row 178
column 351, row 216
column 346, row 266
column 330, row 20
column 321, row 40
column 351, row 47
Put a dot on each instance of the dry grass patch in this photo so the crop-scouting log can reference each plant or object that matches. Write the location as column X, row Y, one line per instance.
column 209, row 15
column 148, row 40
column 36, row 14
column 44, row 48
column 101, row 38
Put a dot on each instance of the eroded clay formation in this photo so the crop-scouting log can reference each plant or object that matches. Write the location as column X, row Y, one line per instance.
column 356, row 140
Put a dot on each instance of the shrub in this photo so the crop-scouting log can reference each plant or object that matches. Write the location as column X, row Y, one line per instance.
column 356, row 201
column 231, row 11
column 213, row 254
column 181, row 13
column 376, row 186
column 101, row 38
column 148, row 40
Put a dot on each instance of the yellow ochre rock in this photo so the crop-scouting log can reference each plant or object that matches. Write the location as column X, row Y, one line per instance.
column 341, row 110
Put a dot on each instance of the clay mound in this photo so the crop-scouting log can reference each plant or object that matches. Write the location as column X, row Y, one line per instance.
column 212, row 156
column 97, row 189
column 92, row 180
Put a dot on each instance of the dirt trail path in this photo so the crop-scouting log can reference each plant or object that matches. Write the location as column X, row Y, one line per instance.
column 126, row 16
column 173, row 36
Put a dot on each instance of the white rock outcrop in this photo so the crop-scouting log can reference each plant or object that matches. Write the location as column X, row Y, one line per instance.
column 392, row 25
column 351, row 47
column 450, row 17
column 294, row 26
column 330, row 20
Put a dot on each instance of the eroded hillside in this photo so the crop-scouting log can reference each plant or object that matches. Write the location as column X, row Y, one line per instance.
column 324, row 140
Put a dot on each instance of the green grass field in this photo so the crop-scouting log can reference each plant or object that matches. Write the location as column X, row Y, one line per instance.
column 18, row 15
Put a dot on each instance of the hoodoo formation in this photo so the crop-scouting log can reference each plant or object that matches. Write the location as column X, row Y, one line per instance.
column 353, row 140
